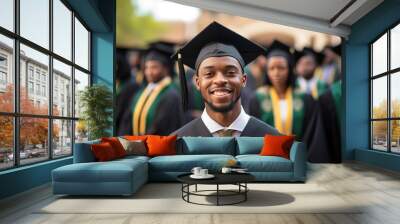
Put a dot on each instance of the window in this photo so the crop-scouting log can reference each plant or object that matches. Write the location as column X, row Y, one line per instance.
column 3, row 78
column 44, row 91
column 37, row 74
column 385, row 97
column 48, row 78
column 38, row 89
column 30, row 87
column 3, row 72
column 30, row 72
column 43, row 77
column 6, row 73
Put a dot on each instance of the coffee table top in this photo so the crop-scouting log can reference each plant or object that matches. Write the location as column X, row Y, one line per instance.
column 220, row 178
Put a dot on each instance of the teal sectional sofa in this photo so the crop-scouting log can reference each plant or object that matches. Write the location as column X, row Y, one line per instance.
column 125, row 176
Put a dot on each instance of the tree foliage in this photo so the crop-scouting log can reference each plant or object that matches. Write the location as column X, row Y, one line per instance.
column 33, row 131
column 380, row 127
column 134, row 29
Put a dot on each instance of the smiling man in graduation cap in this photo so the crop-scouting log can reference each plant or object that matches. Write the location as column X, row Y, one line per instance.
column 219, row 55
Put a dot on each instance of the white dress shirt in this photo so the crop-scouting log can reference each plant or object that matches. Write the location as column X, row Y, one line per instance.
column 237, row 125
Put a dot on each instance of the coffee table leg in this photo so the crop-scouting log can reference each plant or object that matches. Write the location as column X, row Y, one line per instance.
column 245, row 191
column 196, row 188
column 217, row 194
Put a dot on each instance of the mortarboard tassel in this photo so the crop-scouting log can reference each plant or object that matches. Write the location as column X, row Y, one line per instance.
column 182, row 79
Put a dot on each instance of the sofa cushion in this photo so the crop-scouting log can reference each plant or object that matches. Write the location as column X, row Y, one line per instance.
column 257, row 163
column 277, row 145
column 116, row 145
column 161, row 145
column 249, row 145
column 103, row 152
column 185, row 163
column 135, row 147
column 206, row 145
column 111, row 171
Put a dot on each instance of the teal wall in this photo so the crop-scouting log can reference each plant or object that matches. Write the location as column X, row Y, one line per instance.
column 356, row 85
column 99, row 16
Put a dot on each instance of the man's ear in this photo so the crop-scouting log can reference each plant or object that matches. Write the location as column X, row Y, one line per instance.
column 197, row 81
column 244, row 80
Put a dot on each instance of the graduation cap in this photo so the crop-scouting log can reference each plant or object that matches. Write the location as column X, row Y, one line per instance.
column 160, row 51
column 307, row 51
column 214, row 41
column 278, row 48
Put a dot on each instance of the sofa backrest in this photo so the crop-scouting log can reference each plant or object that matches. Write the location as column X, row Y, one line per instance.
column 249, row 145
column 83, row 152
column 206, row 145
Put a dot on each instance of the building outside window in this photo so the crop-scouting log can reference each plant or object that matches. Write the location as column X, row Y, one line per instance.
column 57, row 125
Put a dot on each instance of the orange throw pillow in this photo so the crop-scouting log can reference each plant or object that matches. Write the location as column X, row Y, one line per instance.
column 116, row 145
column 161, row 145
column 103, row 151
column 277, row 145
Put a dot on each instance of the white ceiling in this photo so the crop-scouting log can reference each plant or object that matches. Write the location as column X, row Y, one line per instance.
column 324, row 16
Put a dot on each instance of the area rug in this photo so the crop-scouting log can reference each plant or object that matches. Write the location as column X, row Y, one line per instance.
column 166, row 198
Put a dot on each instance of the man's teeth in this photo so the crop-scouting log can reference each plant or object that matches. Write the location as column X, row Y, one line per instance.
column 221, row 92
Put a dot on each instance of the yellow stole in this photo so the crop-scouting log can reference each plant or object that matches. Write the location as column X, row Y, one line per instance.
column 283, row 127
column 143, row 105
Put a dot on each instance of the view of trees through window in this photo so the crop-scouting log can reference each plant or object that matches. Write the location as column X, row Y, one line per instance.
column 385, row 94
column 43, row 68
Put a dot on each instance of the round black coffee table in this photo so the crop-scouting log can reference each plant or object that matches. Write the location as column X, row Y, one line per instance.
column 238, row 179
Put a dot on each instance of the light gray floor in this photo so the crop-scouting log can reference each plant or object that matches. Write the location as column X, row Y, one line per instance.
column 378, row 188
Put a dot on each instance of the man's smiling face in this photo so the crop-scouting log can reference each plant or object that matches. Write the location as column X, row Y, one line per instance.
column 220, row 81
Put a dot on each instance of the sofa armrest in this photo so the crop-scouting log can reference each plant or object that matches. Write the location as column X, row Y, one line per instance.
column 83, row 152
column 298, row 155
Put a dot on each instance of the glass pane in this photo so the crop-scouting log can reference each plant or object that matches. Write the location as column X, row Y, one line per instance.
column 33, row 139
column 35, row 21
column 6, row 142
column 395, row 136
column 379, row 135
column 81, row 45
column 379, row 55
column 379, row 98
column 62, row 89
column 34, row 92
column 81, row 131
column 6, row 74
column 62, row 138
column 62, row 29
column 7, row 14
column 395, row 94
column 81, row 81
column 395, row 47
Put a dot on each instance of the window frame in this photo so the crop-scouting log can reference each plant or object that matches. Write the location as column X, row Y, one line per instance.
column 388, row 74
column 16, row 115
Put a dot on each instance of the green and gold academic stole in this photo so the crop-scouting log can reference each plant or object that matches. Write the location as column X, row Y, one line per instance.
column 142, row 107
column 271, row 114
column 283, row 127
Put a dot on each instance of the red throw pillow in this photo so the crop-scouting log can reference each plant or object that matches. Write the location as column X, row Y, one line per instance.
column 116, row 145
column 277, row 145
column 103, row 152
column 161, row 145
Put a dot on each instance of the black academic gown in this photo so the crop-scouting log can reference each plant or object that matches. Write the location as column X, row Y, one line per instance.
column 123, row 98
column 254, row 128
column 168, row 116
column 331, row 123
column 313, row 131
